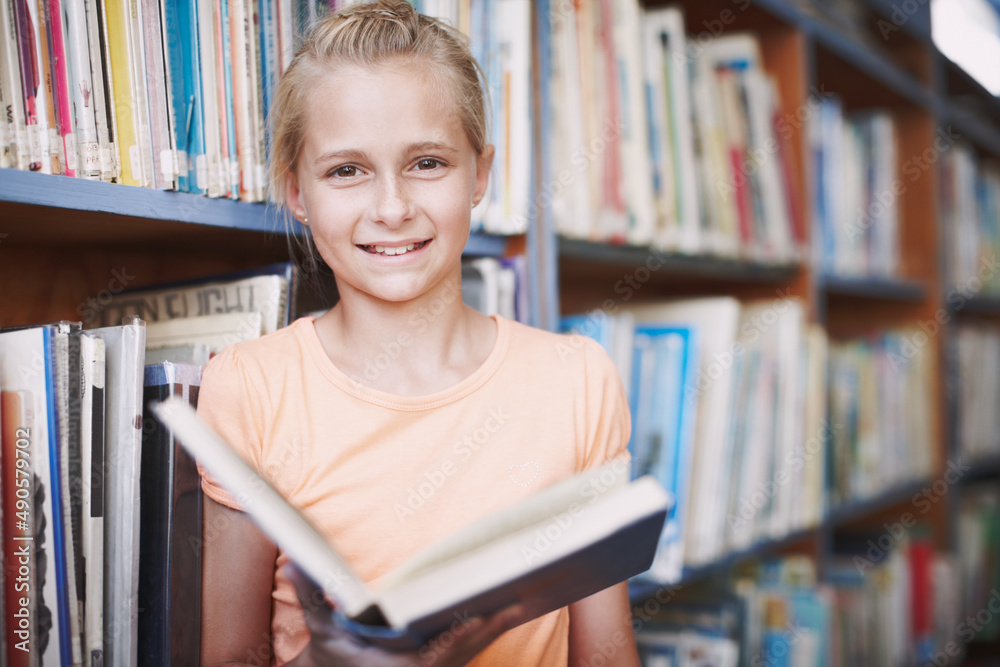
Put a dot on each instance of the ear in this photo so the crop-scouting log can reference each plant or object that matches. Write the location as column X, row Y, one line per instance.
column 483, row 165
column 293, row 197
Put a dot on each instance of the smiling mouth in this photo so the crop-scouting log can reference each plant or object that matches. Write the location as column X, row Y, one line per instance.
column 393, row 251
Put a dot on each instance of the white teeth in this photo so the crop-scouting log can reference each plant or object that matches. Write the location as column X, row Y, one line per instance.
column 391, row 251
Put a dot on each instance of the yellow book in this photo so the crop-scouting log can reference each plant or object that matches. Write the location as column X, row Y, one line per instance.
column 122, row 93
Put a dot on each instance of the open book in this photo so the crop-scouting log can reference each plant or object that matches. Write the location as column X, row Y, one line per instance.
column 569, row 541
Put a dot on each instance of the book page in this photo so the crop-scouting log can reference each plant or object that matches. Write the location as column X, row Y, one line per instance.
column 561, row 498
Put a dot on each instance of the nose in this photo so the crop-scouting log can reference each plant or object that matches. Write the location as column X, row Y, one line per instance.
column 393, row 205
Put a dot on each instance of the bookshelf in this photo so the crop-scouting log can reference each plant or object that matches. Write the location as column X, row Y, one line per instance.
column 932, row 102
column 60, row 237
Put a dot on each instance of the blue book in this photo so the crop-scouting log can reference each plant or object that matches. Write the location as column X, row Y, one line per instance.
column 232, row 161
column 181, row 22
column 665, row 412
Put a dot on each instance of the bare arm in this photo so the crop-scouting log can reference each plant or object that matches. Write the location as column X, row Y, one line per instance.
column 602, row 625
column 237, row 579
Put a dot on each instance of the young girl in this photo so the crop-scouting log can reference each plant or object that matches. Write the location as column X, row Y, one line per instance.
column 400, row 415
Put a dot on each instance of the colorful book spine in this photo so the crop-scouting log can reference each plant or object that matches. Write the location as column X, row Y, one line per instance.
column 61, row 94
column 30, row 84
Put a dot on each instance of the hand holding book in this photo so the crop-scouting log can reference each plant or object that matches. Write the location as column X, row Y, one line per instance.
column 331, row 643
column 607, row 532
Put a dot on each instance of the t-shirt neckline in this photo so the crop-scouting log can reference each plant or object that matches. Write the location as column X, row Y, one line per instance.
column 310, row 339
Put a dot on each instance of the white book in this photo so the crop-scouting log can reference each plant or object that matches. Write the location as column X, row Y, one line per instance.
column 124, row 350
column 100, row 68
column 211, row 174
column 91, row 454
column 14, row 151
column 88, row 148
column 215, row 331
column 266, row 294
column 637, row 186
column 667, row 24
column 40, row 134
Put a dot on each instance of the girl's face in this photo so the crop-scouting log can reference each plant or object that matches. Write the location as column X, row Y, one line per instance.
column 387, row 179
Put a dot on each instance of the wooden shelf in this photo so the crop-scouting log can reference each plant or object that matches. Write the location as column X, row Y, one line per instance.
column 887, row 499
column 677, row 264
column 883, row 289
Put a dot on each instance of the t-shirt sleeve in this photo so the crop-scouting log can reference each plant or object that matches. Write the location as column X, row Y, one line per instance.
column 608, row 420
column 227, row 402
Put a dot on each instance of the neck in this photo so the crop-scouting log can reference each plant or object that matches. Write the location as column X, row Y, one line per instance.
column 411, row 348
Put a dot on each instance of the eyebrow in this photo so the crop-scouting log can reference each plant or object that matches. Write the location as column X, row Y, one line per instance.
column 355, row 154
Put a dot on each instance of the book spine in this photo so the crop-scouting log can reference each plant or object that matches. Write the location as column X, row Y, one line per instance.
column 52, row 161
column 16, row 152
column 255, row 97
column 140, row 91
column 226, row 100
column 86, row 145
column 241, row 105
column 101, row 79
column 163, row 172
column 30, row 83
column 210, row 170
column 174, row 57
column 62, row 96
column 123, row 94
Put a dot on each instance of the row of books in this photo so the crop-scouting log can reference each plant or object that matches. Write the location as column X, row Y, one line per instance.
column 896, row 609
column 977, row 404
column 104, row 506
column 728, row 411
column 970, row 212
column 856, row 190
column 102, row 513
column 655, row 140
column 979, row 553
column 881, row 402
column 176, row 94
column 756, row 424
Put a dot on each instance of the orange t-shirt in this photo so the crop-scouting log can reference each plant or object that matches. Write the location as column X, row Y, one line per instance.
column 383, row 476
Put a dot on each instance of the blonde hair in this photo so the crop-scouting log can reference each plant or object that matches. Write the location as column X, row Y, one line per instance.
column 372, row 35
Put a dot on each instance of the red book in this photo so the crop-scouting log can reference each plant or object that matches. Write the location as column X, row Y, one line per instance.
column 921, row 591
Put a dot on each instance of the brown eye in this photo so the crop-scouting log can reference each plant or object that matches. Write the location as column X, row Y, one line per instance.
column 428, row 163
column 347, row 171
